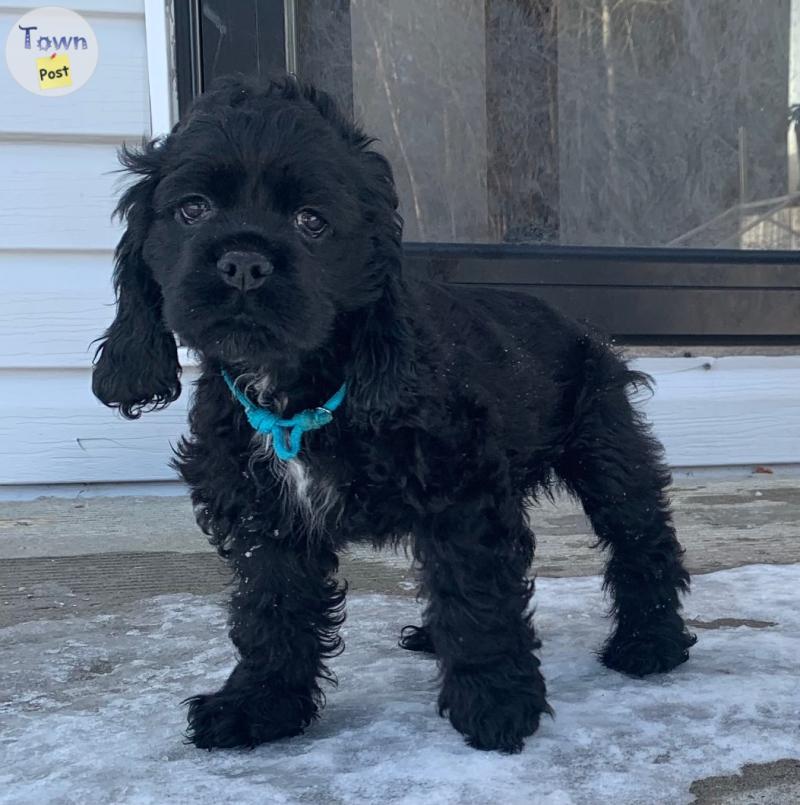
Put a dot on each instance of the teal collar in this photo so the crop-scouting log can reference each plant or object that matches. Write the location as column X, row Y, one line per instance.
column 264, row 421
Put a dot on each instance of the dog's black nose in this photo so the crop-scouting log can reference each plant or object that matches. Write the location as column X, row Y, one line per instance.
column 244, row 270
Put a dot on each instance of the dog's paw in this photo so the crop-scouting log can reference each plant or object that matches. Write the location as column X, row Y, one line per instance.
column 649, row 652
column 416, row 638
column 212, row 524
column 493, row 711
column 232, row 718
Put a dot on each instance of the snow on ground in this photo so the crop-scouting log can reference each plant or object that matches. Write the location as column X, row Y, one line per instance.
column 90, row 709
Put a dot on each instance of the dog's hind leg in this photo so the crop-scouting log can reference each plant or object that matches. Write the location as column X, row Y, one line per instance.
column 614, row 466
column 284, row 617
column 474, row 556
column 417, row 638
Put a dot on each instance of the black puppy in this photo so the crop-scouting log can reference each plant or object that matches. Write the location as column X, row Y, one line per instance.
column 263, row 231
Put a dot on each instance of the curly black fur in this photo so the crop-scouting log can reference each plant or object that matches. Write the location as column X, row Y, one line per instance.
column 462, row 405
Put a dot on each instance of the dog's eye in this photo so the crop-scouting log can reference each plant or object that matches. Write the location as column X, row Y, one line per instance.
column 193, row 209
column 310, row 223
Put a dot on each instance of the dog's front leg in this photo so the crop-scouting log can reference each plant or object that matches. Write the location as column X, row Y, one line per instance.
column 474, row 561
column 284, row 617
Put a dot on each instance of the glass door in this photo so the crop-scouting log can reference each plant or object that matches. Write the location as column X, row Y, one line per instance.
column 633, row 161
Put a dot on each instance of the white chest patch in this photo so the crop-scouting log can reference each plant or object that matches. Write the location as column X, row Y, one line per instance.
column 307, row 497
column 297, row 477
column 311, row 499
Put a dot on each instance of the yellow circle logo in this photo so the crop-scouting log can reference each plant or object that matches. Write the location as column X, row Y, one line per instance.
column 51, row 51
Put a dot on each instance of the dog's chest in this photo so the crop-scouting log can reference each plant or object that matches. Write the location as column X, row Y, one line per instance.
column 326, row 490
column 338, row 500
column 304, row 491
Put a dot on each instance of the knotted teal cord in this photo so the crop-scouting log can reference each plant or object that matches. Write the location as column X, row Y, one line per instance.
column 264, row 421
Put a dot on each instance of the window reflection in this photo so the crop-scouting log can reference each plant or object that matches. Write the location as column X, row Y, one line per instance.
column 575, row 122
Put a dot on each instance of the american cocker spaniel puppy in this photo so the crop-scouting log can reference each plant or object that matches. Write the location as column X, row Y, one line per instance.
column 343, row 401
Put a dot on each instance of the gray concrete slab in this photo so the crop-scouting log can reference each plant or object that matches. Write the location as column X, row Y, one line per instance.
column 757, row 784
column 722, row 523
column 63, row 556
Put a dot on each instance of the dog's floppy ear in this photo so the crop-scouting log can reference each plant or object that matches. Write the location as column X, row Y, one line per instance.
column 136, row 365
column 383, row 371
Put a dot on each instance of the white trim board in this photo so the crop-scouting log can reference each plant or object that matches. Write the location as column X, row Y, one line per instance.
column 161, row 489
column 159, row 76
column 681, row 476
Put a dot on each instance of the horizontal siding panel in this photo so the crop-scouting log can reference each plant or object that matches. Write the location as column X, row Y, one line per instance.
column 83, row 7
column 726, row 411
column 58, row 195
column 114, row 103
column 708, row 412
column 54, row 431
column 53, row 306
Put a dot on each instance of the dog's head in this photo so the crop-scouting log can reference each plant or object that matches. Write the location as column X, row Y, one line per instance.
column 260, row 223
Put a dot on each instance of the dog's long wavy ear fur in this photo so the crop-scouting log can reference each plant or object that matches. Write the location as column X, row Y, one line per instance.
column 383, row 372
column 136, row 366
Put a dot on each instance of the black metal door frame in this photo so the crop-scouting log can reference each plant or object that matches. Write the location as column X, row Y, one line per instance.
column 659, row 295
column 219, row 37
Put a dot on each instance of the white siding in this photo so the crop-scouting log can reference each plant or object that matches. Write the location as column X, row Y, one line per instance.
column 57, row 195
column 52, row 431
column 726, row 411
column 738, row 411
column 58, row 163
column 54, row 303
column 113, row 104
